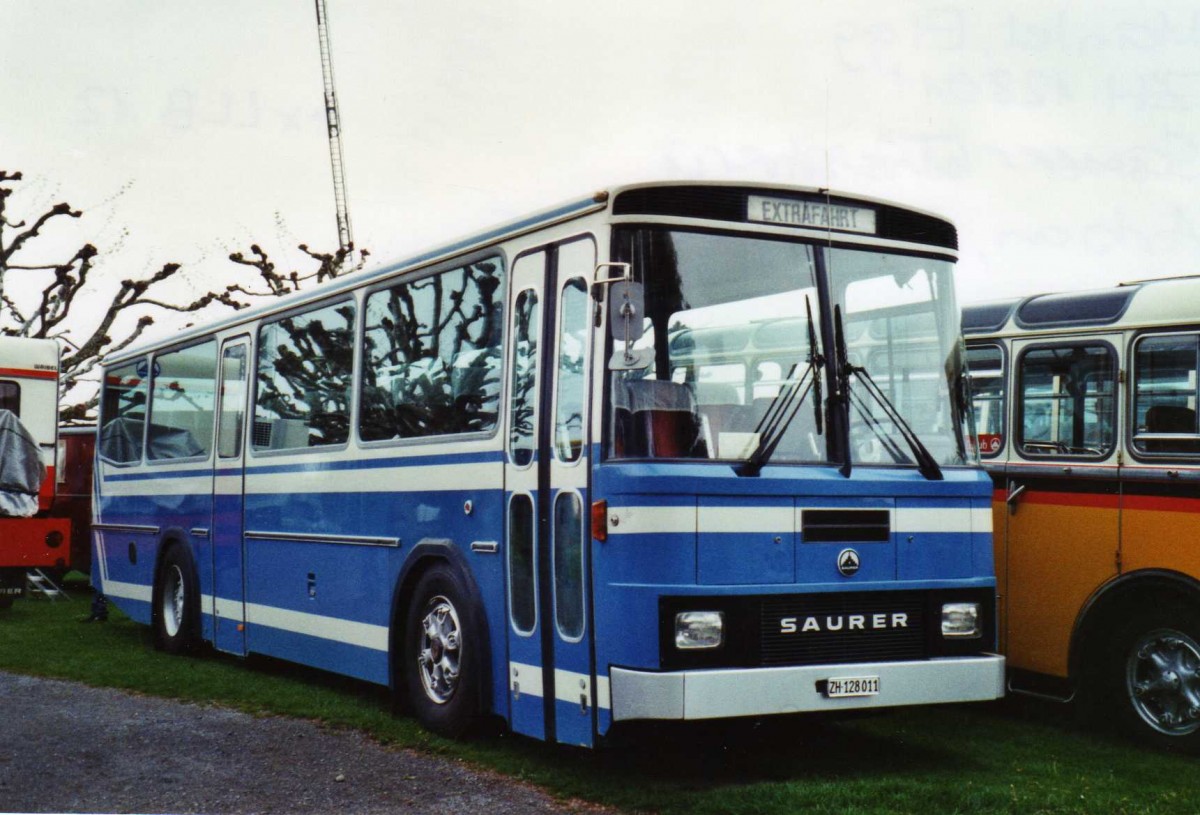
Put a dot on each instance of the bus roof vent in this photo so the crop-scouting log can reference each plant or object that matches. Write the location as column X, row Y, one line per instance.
column 987, row 317
column 1075, row 308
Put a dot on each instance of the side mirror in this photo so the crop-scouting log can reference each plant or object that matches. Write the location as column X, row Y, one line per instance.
column 626, row 316
column 627, row 310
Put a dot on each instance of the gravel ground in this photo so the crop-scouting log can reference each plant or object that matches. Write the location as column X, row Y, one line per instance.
column 65, row 747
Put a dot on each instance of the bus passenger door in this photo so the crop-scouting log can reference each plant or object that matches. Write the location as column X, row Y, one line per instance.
column 1062, row 496
column 550, row 673
column 228, row 602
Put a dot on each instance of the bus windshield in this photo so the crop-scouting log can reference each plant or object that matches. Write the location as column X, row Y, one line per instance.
column 726, row 331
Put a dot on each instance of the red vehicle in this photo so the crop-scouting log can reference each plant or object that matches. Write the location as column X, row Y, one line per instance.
column 73, row 498
column 29, row 537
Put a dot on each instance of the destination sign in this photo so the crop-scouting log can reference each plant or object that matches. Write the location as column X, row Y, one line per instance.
column 810, row 213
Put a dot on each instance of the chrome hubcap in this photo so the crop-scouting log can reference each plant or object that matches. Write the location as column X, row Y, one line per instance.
column 440, row 654
column 172, row 601
column 1162, row 677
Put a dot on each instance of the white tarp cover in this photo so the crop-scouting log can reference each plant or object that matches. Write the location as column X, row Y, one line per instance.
column 21, row 469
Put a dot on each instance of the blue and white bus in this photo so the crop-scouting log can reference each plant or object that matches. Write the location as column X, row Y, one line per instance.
column 673, row 451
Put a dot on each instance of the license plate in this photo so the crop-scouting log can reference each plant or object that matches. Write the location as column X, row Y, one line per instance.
column 843, row 686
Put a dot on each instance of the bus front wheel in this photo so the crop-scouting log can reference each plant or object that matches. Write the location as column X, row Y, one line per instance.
column 441, row 653
column 1151, row 677
column 177, row 608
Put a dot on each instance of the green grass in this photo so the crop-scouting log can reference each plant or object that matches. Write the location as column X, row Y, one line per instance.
column 1017, row 756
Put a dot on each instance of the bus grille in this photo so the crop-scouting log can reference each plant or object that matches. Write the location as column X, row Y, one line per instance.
column 843, row 628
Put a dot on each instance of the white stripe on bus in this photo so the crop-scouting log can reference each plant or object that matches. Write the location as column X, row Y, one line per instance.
column 130, row 591
column 642, row 520
column 435, row 478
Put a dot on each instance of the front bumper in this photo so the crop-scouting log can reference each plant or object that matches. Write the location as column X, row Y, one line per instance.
column 725, row 693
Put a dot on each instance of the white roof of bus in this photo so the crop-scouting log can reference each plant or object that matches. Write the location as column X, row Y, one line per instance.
column 24, row 353
column 1155, row 302
column 562, row 212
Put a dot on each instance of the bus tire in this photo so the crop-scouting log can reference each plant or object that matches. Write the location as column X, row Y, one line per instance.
column 1149, row 678
column 176, row 603
column 441, row 653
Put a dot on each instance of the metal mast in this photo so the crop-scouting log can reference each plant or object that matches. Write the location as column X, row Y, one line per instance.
column 334, row 122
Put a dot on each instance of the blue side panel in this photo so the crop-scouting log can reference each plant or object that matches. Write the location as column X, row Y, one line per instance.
column 627, row 627
column 932, row 550
column 729, row 550
column 350, row 587
column 982, row 546
column 573, row 720
column 227, row 570
column 758, row 552
column 324, row 603
column 940, row 556
column 128, row 558
column 488, row 571
column 527, row 711
column 573, row 699
column 664, row 558
column 818, row 562
column 603, row 717
column 338, row 657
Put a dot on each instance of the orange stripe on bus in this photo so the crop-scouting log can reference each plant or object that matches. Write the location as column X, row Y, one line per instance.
column 1150, row 503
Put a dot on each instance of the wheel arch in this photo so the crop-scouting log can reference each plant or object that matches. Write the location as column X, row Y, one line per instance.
column 169, row 539
column 427, row 553
column 1109, row 602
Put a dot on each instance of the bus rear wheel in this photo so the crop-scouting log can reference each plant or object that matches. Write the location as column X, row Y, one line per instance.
column 1152, row 678
column 441, row 653
column 176, row 605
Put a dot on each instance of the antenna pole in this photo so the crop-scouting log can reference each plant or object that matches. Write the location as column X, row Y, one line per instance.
column 334, row 124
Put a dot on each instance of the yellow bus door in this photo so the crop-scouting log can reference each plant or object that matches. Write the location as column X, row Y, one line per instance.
column 1062, row 493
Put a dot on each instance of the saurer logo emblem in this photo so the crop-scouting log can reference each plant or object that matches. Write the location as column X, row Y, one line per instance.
column 843, row 622
column 848, row 562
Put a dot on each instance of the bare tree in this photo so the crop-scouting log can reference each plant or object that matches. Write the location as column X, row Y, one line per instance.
column 40, row 298
column 279, row 284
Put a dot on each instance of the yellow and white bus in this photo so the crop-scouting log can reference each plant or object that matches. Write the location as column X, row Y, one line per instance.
column 1085, row 406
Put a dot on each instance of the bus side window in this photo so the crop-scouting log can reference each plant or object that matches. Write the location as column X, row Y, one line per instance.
column 123, row 412
column 1067, row 401
column 305, row 365
column 1165, row 395
column 986, row 366
column 182, row 399
column 233, row 400
column 431, row 354
column 10, row 397
column 572, row 384
column 523, row 410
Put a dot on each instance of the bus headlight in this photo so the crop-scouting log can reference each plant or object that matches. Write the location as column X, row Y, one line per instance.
column 699, row 629
column 960, row 620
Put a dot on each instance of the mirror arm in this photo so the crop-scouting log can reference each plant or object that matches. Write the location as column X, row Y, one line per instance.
column 626, row 277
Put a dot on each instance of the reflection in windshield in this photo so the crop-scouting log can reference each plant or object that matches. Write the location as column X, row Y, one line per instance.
column 902, row 328
column 726, row 329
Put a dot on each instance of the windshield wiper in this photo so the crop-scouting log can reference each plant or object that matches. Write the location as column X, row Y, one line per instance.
column 773, row 425
column 926, row 463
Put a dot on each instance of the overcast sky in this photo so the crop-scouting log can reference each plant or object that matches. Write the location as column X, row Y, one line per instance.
column 1060, row 137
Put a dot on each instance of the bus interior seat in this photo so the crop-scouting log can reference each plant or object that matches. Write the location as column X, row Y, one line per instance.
column 658, row 418
column 724, row 412
column 1170, row 419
